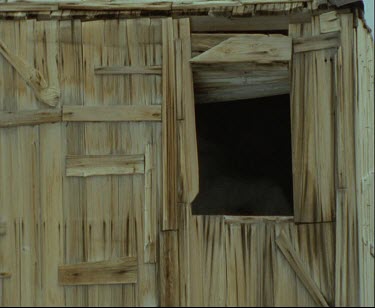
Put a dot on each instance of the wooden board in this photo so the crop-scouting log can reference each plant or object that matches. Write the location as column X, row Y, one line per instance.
column 112, row 114
column 169, row 119
column 104, row 272
column 254, row 48
column 104, row 165
column 313, row 135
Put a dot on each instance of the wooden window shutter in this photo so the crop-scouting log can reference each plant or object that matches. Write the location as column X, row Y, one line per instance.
column 188, row 174
column 313, row 103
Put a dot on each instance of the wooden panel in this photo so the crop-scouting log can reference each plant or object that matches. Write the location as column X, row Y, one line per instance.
column 318, row 42
column 128, row 70
column 169, row 213
column 312, row 116
column 296, row 263
column 255, row 48
column 123, row 270
column 34, row 117
column 113, row 113
column 104, row 165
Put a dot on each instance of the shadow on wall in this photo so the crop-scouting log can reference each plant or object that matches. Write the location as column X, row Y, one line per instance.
column 245, row 161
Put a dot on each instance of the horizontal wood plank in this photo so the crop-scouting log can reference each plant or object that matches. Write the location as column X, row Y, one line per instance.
column 255, row 48
column 128, row 70
column 318, row 42
column 33, row 117
column 121, row 271
column 93, row 165
column 329, row 22
column 111, row 113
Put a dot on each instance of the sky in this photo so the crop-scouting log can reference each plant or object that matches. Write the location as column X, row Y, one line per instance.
column 369, row 13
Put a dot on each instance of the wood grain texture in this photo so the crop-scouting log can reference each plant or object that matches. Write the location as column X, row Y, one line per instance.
column 313, row 135
column 169, row 119
column 92, row 165
column 255, row 48
column 150, row 218
column 347, row 258
column 296, row 263
column 169, row 267
column 364, row 127
column 112, row 114
column 317, row 42
column 230, row 82
column 33, row 117
column 188, row 173
column 45, row 93
column 329, row 22
column 121, row 271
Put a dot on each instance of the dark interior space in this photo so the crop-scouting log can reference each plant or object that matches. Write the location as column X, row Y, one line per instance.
column 245, row 160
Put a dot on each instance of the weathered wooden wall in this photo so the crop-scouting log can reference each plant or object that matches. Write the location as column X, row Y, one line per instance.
column 86, row 194
column 53, row 219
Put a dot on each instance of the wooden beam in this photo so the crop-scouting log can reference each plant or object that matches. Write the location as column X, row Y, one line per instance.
column 32, row 117
column 212, row 24
column 254, row 48
column 121, row 271
column 317, row 42
column 45, row 94
column 296, row 263
column 115, row 113
column 128, row 70
column 81, row 165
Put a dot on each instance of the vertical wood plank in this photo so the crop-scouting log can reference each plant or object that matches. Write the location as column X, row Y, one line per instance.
column 169, row 267
column 188, row 176
column 169, row 119
column 347, row 279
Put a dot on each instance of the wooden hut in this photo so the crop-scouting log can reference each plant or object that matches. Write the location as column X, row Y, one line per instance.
column 99, row 158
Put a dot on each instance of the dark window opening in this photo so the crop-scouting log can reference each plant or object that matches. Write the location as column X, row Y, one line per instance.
column 245, row 160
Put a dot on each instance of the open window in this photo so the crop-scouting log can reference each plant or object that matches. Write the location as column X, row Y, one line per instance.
column 241, row 86
column 245, row 159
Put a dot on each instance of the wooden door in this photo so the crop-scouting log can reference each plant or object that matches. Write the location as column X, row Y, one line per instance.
column 82, row 179
column 113, row 142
